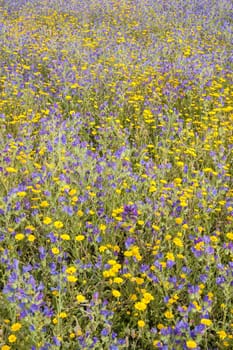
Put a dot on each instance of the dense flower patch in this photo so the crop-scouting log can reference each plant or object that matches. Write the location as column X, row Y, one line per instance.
column 116, row 165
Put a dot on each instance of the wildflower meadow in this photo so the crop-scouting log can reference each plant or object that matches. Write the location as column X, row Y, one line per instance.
column 116, row 174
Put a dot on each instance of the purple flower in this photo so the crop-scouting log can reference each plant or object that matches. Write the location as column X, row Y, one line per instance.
column 130, row 212
column 220, row 280
column 113, row 347
column 105, row 332
column 68, row 209
column 193, row 289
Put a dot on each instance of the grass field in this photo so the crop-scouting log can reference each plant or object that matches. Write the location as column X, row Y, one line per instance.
column 116, row 175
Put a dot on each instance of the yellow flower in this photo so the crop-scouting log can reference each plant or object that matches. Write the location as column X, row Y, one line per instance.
column 139, row 280
column 141, row 324
column 44, row 204
column 133, row 297
column 222, row 334
column 191, row 344
column 63, row 315
column 72, row 192
column 230, row 235
column 19, row 236
column 168, row 314
column 106, row 274
column 80, row 298
column 72, row 278
column 152, row 189
column 102, row 227
column 156, row 342
column 170, row 256
column 55, row 250
column 5, row 347
column 128, row 253
column 178, row 221
column 118, row 280
column 47, row 220
column 177, row 241
column 31, row 238
column 22, row 194
column 12, row 338
column 116, row 293
column 30, row 228
column 141, row 222
column 160, row 326
column 206, row 322
column 80, row 238
column 58, row 224
column 55, row 321
column 71, row 270
column 11, row 170
column 65, row 237
column 140, row 306
column 16, row 326
column 112, row 262
column 147, row 298
column 168, row 237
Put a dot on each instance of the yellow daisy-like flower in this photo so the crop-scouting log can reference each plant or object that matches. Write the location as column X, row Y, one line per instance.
column 71, row 270
column 141, row 324
column 139, row 280
column 168, row 314
column 80, row 298
column 5, row 347
column 80, row 238
column 55, row 321
column 191, row 344
column 11, row 170
column 47, row 220
column 156, row 342
column 22, row 194
column 118, row 280
column 80, row 213
column 19, row 236
column 44, row 204
column 178, row 221
column 30, row 228
column 31, row 238
column 147, row 298
column 58, row 224
column 16, row 327
column 116, row 293
column 177, row 241
column 222, row 334
column 170, row 256
column 12, row 338
column 72, row 278
column 140, row 306
column 102, row 227
column 55, row 250
column 72, row 192
column 206, row 322
column 112, row 262
column 65, row 237
column 141, row 222
column 230, row 235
